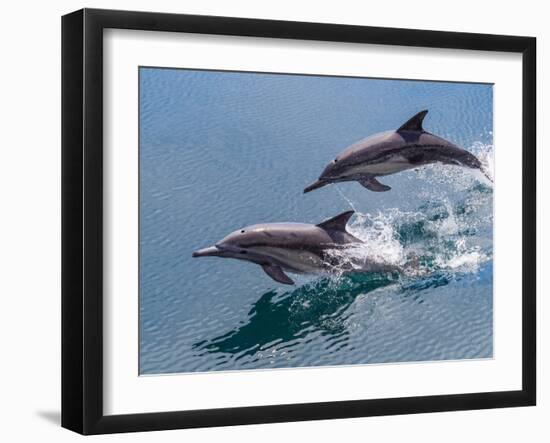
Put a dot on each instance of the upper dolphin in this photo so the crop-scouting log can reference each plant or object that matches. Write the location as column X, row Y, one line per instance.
column 390, row 152
column 292, row 247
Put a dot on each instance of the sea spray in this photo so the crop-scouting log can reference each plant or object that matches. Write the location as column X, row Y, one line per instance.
column 439, row 235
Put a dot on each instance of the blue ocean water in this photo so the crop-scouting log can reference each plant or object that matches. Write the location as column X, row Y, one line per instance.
column 223, row 150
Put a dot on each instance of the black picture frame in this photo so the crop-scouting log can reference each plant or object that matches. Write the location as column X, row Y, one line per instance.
column 82, row 220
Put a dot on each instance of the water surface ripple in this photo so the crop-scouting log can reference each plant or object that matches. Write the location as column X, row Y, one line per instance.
column 219, row 151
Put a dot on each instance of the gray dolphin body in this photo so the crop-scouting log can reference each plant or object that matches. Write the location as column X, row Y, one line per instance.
column 390, row 152
column 292, row 247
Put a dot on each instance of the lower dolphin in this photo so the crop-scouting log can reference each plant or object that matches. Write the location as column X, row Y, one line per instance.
column 289, row 247
column 391, row 152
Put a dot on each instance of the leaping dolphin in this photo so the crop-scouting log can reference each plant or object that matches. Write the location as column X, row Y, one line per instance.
column 390, row 152
column 298, row 248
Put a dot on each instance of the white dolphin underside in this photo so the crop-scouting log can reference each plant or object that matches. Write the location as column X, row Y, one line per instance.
column 395, row 164
column 300, row 260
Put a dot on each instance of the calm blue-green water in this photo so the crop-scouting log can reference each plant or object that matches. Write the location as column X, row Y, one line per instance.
column 220, row 151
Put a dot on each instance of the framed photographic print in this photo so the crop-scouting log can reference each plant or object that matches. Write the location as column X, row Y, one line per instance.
column 270, row 221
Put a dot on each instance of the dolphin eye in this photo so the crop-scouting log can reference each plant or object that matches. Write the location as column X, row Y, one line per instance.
column 335, row 160
column 242, row 231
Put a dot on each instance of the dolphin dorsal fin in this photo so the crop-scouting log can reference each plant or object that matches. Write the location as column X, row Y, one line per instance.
column 414, row 123
column 337, row 223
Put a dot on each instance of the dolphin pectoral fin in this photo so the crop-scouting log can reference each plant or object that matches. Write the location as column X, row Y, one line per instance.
column 277, row 274
column 374, row 185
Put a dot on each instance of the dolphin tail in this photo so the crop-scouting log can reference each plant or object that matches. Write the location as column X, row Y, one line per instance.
column 412, row 266
column 483, row 175
column 469, row 160
column 413, row 262
column 486, row 174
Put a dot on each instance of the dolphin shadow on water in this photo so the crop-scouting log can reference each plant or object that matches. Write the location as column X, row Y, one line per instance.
column 281, row 318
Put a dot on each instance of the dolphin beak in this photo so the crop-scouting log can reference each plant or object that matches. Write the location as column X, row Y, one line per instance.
column 211, row 251
column 315, row 185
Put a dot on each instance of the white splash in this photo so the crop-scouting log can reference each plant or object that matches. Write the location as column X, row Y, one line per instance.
column 462, row 178
column 380, row 242
column 441, row 235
